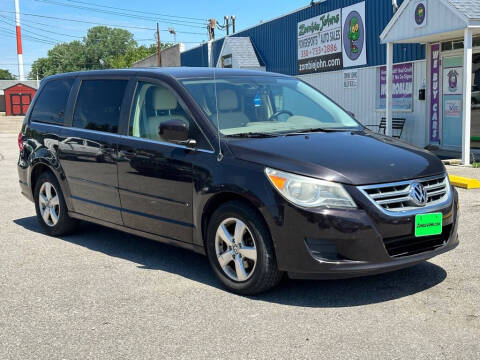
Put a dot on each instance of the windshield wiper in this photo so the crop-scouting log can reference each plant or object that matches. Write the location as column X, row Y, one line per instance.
column 253, row 135
column 313, row 130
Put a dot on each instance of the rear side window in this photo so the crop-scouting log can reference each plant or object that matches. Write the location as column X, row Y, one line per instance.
column 52, row 101
column 98, row 105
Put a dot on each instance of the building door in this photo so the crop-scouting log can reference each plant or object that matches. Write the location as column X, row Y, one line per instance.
column 452, row 80
column 20, row 103
column 475, row 127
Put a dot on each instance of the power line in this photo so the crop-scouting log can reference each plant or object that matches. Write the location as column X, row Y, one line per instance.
column 30, row 31
column 168, row 21
column 97, row 23
column 26, row 37
column 55, row 32
column 8, row 64
column 137, row 11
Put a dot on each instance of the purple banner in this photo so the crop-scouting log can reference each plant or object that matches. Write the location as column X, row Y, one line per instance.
column 435, row 93
column 402, row 87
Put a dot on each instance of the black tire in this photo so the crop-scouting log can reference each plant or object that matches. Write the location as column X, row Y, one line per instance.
column 265, row 273
column 65, row 225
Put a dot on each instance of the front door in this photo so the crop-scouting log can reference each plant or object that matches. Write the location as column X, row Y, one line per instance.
column 475, row 126
column 20, row 103
column 155, row 175
column 452, row 101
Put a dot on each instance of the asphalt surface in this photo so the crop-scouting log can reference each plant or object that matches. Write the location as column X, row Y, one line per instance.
column 105, row 294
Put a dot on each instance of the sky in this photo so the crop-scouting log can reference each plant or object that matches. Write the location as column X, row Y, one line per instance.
column 187, row 17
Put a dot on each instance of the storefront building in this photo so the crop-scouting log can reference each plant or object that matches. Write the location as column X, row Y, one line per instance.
column 451, row 31
column 339, row 46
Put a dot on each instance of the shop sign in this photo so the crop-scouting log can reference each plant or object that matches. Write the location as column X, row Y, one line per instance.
column 350, row 79
column 453, row 108
column 420, row 13
column 354, row 39
column 332, row 41
column 435, row 93
column 453, row 81
column 320, row 43
column 402, row 97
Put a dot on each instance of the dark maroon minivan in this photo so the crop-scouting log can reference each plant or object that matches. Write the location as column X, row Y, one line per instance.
column 260, row 172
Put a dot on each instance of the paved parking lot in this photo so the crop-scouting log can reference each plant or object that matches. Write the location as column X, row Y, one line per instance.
column 105, row 294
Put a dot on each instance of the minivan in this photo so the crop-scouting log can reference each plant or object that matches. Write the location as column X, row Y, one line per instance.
column 259, row 171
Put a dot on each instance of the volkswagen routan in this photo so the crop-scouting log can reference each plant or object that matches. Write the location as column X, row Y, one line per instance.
column 260, row 172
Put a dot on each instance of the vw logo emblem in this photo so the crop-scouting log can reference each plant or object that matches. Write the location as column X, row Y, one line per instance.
column 418, row 194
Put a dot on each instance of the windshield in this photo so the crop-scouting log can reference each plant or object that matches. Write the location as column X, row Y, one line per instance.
column 267, row 105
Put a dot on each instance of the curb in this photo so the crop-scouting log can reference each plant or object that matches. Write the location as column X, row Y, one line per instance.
column 463, row 182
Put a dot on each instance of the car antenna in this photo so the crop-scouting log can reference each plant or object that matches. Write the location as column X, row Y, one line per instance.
column 220, row 154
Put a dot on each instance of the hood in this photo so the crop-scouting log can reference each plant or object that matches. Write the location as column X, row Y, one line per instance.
column 357, row 158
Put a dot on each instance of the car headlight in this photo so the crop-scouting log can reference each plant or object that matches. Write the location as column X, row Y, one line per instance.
column 309, row 192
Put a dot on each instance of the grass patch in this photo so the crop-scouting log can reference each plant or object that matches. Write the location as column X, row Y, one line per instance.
column 476, row 165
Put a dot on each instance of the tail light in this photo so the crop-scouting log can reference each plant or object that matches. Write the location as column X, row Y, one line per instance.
column 20, row 141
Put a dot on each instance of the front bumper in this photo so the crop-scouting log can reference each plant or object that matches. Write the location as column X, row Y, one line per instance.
column 331, row 244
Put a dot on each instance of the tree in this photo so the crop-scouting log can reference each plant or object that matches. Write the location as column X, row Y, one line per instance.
column 6, row 75
column 103, row 44
column 97, row 50
column 126, row 60
column 65, row 57
column 132, row 55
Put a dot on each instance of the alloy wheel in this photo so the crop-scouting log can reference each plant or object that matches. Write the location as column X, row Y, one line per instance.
column 236, row 249
column 49, row 204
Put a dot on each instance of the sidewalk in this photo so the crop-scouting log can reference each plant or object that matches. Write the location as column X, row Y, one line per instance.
column 468, row 172
column 10, row 124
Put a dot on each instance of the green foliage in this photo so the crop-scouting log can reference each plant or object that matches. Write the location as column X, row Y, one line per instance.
column 6, row 75
column 101, row 48
column 126, row 60
column 103, row 44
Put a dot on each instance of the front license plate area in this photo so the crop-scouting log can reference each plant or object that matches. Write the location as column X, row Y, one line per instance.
column 428, row 224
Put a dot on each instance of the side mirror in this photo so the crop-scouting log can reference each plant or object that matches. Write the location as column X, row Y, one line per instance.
column 174, row 130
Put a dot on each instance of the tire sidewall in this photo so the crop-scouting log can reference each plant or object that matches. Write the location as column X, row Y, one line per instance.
column 258, row 230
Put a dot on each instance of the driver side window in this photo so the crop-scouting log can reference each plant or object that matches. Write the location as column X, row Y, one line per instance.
column 153, row 105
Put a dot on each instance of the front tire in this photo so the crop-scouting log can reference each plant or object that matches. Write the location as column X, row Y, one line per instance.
column 240, row 249
column 52, row 212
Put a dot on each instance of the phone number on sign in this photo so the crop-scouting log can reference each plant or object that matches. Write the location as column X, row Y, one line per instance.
column 321, row 50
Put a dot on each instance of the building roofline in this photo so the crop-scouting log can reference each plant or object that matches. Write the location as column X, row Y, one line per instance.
column 404, row 5
column 20, row 83
column 253, row 26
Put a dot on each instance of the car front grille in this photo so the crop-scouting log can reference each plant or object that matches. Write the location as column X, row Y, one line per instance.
column 410, row 245
column 395, row 197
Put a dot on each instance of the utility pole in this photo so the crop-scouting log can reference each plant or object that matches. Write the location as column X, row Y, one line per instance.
column 233, row 17
column 227, row 25
column 174, row 33
column 19, row 42
column 159, row 48
column 211, row 29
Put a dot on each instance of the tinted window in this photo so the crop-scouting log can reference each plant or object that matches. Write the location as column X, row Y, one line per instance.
column 98, row 105
column 155, row 104
column 52, row 101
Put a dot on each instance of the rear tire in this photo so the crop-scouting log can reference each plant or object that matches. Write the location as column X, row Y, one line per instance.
column 52, row 211
column 240, row 249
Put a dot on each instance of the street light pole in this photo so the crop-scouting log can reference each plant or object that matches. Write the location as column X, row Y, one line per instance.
column 19, row 42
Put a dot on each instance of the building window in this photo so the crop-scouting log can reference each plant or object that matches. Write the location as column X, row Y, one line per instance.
column 446, row 46
column 458, row 45
column 476, row 41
